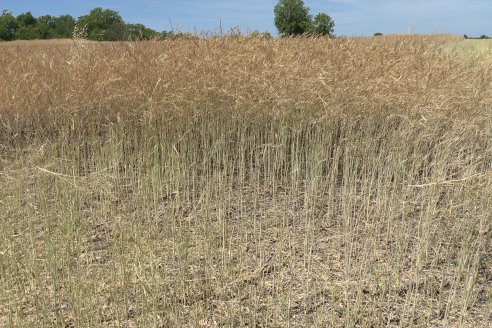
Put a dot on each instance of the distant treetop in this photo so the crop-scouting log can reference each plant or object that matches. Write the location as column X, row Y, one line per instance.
column 292, row 17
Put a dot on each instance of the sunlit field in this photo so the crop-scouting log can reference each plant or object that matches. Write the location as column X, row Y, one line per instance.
column 245, row 182
column 476, row 50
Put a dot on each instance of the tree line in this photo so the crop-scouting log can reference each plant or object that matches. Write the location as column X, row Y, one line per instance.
column 481, row 37
column 292, row 17
column 100, row 24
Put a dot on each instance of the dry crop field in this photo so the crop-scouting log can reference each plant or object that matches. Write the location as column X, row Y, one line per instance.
column 242, row 182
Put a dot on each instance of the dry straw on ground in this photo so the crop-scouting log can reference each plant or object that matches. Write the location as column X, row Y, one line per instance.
column 245, row 182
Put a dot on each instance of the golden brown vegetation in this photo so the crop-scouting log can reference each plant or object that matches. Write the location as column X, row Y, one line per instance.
column 245, row 182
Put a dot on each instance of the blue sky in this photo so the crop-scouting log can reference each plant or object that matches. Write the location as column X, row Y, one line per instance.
column 352, row 17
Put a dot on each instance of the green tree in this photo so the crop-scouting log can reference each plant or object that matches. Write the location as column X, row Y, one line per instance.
column 52, row 27
column 103, row 25
column 26, row 19
column 323, row 24
column 63, row 27
column 8, row 26
column 141, row 32
column 27, row 27
column 292, row 17
column 45, row 26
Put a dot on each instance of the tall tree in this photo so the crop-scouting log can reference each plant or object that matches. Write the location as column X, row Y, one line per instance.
column 323, row 24
column 45, row 25
column 103, row 24
column 8, row 26
column 26, row 27
column 64, row 26
column 292, row 17
column 26, row 19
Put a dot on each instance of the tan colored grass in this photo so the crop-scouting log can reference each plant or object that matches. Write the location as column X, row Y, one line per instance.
column 245, row 182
